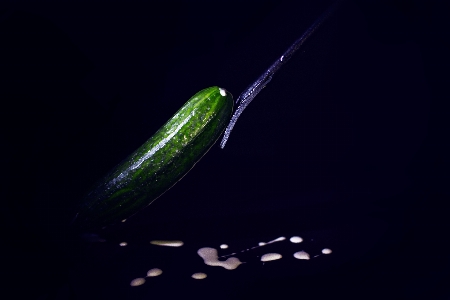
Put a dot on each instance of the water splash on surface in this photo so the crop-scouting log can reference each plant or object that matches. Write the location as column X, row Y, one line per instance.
column 270, row 257
column 211, row 258
column 167, row 243
column 154, row 272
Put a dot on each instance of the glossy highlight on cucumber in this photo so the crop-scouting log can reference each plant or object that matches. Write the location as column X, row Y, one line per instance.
column 160, row 162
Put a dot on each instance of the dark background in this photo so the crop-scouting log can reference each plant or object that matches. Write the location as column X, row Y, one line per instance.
column 346, row 147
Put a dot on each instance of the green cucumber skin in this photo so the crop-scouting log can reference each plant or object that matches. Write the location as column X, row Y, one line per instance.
column 160, row 162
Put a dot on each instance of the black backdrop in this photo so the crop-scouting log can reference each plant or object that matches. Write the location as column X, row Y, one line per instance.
column 346, row 147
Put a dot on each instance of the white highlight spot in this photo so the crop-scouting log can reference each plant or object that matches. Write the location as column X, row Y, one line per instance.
column 124, row 220
column 223, row 92
column 137, row 282
column 223, row 246
column 199, row 275
column 270, row 256
column 261, row 244
column 154, row 272
column 210, row 258
column 123, row 244
column 296, row 239
column 326, row 251
column 167, row 243
column 301, row 255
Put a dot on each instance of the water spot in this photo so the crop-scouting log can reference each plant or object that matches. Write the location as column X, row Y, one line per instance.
column 270, row 256
column 210, row 258
column 296, row 239
column 223, row 246
column 154, row 272
column 123, row 244
column 199, row 275
column 223, row 92
column 326, row 251
column 301, row 255
column 167, row 243
column 281, row 238
column 137, row 282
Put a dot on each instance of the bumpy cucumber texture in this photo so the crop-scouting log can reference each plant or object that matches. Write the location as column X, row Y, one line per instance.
column 160, row 162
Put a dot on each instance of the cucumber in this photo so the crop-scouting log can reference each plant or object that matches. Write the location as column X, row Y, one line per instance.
column 160, row 162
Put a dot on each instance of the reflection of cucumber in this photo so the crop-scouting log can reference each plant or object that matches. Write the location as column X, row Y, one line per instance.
column 160, row 162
